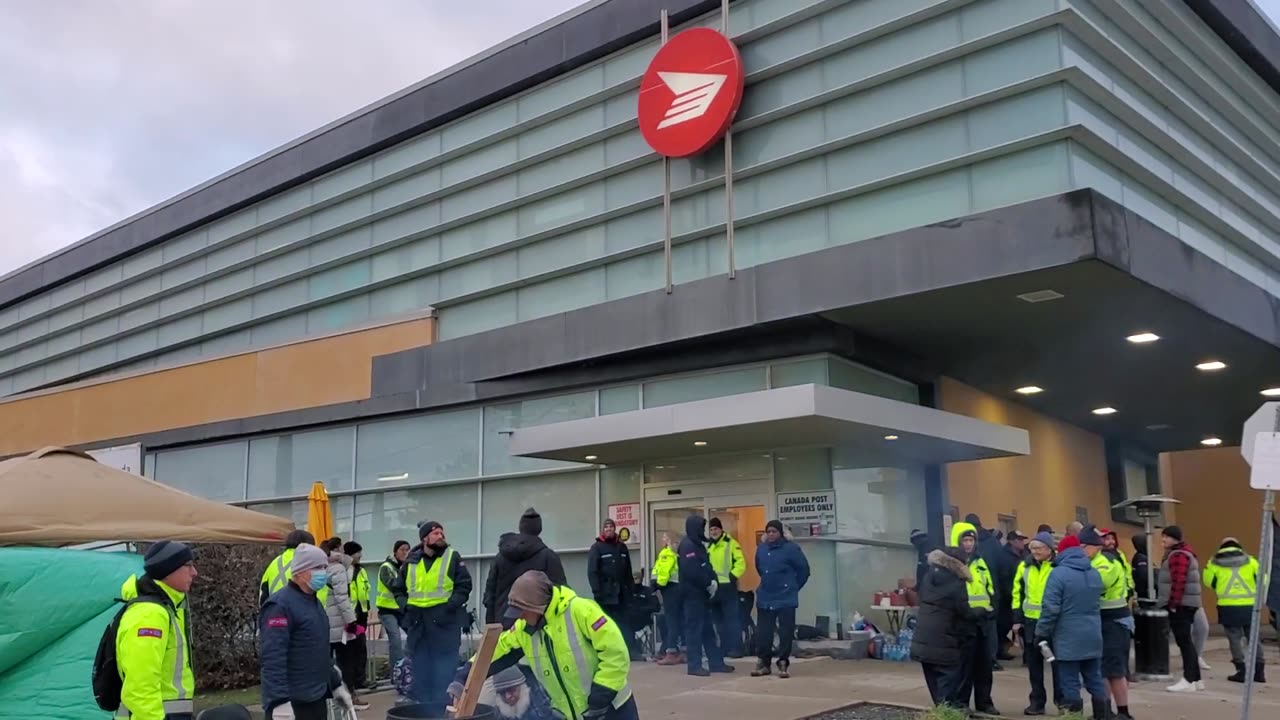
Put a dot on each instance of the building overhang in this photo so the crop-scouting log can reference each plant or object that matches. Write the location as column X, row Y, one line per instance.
column 885, row 431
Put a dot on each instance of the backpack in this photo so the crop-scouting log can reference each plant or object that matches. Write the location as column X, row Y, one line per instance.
column 107, row 683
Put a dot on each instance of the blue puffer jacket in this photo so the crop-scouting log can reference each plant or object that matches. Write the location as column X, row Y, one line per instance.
column 783, row 571
column 1069, row 619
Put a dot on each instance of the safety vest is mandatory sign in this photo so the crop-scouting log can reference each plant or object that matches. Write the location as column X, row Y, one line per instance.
column 429, row 587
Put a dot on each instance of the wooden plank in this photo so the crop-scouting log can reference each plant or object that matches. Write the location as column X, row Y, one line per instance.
column 466, row 706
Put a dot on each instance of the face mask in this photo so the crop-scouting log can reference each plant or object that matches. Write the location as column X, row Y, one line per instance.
column 318, row 580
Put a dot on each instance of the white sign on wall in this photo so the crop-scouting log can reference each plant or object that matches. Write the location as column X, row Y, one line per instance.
column 122, row 457
column 808, row 514
column 626, row 517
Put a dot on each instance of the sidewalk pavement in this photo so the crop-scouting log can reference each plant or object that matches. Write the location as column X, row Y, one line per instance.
column 823, row 684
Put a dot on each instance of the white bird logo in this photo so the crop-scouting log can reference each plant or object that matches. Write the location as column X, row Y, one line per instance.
column 694, row 94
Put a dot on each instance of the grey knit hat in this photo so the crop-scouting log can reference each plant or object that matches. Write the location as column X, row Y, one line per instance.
column 508, row 679
column 308, row 557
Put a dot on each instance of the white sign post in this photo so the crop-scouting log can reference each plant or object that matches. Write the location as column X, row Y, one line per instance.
column 1260, row 445
column 811, row 513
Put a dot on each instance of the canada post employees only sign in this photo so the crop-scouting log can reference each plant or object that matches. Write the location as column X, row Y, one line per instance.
column 808, row 514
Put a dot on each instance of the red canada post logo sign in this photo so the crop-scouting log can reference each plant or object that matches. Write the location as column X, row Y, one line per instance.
column 690, row 93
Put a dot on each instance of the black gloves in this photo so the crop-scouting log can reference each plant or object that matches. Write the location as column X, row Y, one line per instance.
column 601, row 698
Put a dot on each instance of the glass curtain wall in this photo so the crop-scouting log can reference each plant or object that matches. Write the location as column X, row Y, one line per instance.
column 386, row 476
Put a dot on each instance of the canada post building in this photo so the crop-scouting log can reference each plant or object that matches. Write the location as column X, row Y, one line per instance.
column 1013, row 257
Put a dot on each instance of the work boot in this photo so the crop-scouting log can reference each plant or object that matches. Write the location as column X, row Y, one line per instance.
column 670, row 658
column 723, row 668
column 784, row 669
column 1260, row 673
column 700, row 672
column 683, row 658
column 988, row 710
column 1241, row 668
column 1033, row 711
column 1101, row 710
column 762, row 669
column 1074, row 707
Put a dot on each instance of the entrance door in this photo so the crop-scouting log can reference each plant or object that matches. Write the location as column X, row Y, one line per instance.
column 743, row 518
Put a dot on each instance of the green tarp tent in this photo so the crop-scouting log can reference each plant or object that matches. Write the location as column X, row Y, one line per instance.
column 54, row 605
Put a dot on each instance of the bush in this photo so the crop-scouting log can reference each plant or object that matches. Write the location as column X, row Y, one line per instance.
column 224, row 615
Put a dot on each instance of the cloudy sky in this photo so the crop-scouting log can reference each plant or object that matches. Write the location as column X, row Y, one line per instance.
column 110, row 106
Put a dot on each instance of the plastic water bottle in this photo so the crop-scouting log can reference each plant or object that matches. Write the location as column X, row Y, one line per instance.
column 1046, row 651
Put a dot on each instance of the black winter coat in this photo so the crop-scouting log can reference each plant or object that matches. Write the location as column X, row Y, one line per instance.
column 609, row 572
column 1140, row 585
column 517, row 555
column 923, row 545
column 945, row 624
column 1004, row 571
column 696, row 574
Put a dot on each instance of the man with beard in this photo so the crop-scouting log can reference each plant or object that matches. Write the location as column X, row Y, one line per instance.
column 518, row 553
column 609, row 573
column 515, row 699
column 438, row 586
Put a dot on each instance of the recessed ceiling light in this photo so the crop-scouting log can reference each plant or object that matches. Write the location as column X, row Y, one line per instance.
column 1143, row 337
column 1104, row 411
column 1211, row 441
column 890, row 437
column 591, row 457
column 1272, row 392
column 1211, row 365
column 699, row 443
column 1029, row 390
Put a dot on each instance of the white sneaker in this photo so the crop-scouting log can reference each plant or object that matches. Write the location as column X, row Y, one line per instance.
column 1204, row 665
column 1182, row 686
column 1199, row 686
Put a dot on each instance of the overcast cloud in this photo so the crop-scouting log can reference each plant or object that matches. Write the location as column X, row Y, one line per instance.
column 110, row 106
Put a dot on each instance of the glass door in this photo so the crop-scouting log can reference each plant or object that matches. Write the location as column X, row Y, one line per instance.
column 743, row 518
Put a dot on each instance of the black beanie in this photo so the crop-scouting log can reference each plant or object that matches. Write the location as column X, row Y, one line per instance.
column 425, row 528
column 715, row 523
column 1174, row 532
column 530, row 523
column 352, row 548
column 165, row 557
column 775, row 525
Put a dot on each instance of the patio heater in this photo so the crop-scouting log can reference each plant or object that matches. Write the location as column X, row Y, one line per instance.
column 1151, row 623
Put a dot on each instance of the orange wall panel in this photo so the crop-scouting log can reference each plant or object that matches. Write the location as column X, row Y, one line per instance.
column 1066, row 468
column 316, row 372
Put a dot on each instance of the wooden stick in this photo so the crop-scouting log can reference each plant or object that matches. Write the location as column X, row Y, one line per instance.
column 466, row 706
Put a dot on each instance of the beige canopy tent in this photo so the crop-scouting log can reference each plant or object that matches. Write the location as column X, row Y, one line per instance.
column 58, row 497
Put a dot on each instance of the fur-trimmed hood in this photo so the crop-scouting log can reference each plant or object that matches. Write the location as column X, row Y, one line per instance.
column 940, row 559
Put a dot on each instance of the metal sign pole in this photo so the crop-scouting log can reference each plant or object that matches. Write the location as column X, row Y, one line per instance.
column 666, row 187
column 1265, row 551
column 728, row 165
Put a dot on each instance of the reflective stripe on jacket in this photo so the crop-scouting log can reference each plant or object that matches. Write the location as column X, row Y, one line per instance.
column 1028, row 588
column 1233, row 575
column 431, row 586
column 979, row 586
column 1115, row 586
column 665, row 568
column 386, row 596
column 726, row 559
column 154, row 655
column 360, row 589
column 579, row 646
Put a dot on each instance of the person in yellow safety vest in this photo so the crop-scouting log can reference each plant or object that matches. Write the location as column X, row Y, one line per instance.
column 666, row 577
column 277, row 574
column 982, row 657
column 728, row 562
column 1117, row 620
column 438, row 586
column 153, row 643
column 1234, row 577
column 573, row 648
column 1111, row 546
column 391, row 602
column 1028, row 597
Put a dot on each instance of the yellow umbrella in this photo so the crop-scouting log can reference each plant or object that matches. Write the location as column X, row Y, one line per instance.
column 319, row 516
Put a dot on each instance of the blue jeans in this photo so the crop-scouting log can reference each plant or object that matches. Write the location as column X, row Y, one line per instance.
column 435, row 660
column 728, row 619
column 672, row 618
column 1071, row 672
column 698, row 632
column 395, row 642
